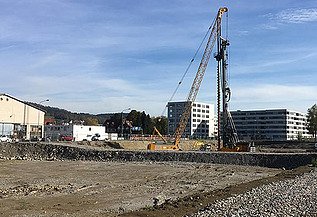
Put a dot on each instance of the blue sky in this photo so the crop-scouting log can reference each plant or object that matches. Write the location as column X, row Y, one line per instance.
column 103, row 56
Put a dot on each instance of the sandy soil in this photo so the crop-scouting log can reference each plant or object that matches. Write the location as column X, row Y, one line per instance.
column 78, row 188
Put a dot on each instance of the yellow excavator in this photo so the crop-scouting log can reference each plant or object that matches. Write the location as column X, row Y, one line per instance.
column 213, row 37
column 164, row 146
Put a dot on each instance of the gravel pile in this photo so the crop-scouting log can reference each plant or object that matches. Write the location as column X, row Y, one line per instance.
column 294, row 197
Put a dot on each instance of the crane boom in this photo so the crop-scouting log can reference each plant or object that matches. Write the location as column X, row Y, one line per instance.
column 215, row 32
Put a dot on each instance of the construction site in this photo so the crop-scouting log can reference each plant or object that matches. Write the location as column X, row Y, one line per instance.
column 164, row 177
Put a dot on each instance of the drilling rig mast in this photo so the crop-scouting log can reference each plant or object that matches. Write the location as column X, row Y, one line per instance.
column 226, row 127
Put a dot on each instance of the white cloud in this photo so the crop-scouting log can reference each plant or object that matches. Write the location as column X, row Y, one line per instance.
column 290, row 16
column 274, row 96
column 297, row 15
column 92, row 93
column 284, row 59
column 270, row 93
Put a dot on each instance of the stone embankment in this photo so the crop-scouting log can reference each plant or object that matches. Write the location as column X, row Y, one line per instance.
column 51, row 151
column 293, row 197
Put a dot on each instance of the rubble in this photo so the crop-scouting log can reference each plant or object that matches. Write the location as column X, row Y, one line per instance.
column 294, row 197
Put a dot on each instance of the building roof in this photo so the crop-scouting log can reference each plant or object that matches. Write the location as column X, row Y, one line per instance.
column 29, row 104
column 267, row 110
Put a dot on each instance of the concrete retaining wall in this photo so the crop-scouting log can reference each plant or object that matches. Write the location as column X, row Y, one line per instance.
column 49, row 151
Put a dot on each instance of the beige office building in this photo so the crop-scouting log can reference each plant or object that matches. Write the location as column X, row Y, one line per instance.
column 19, row 119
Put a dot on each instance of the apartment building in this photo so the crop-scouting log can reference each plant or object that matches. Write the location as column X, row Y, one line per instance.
column 200, row 123
column 274, row 124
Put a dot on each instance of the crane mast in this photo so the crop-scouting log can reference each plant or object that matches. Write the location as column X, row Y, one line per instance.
column 214, row 35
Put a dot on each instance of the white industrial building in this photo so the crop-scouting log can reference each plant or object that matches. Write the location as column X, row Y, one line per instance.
column 20, row 119
column 274, row 124
column 78, row 132
column 200, row 123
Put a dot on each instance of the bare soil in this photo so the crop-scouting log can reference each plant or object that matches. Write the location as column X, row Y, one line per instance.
column 81, row 188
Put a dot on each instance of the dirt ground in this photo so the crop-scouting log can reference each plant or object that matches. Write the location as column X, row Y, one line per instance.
column 81, row 188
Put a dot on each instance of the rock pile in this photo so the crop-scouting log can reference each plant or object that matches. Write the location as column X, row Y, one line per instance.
column 294, row 197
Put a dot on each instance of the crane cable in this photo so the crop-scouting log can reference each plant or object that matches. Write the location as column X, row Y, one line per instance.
column 188, row 67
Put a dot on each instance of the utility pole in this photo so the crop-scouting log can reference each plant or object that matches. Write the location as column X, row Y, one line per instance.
column 38, row 120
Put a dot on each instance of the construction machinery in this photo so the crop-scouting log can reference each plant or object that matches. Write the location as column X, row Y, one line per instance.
column 226, row 129
column 215, row 35
column 163, row 146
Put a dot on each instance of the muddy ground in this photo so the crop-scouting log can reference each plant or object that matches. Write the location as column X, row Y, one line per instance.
column 82, row 188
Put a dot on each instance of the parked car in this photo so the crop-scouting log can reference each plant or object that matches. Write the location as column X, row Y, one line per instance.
column 88, row 138
column 5, row 138
column 66, row 138
column 98, row 137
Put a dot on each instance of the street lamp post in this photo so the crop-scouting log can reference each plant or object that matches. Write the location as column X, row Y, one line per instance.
column 122, row 119
column 38, row 118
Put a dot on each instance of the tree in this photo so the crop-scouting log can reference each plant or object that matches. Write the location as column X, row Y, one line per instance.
column 312, row 121
column 147, row 124
column 161, row 124
column 91, row 121
column 135, row 117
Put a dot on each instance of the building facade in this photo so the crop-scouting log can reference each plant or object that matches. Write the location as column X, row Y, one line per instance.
column 274, row 124
column 78, row 132
column 19, row 119
column 200, row 123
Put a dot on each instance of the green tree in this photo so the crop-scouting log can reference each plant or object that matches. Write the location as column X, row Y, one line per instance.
column 135, row 117
column 91, row 121
column 161, row 124
column 147, row 124
column 312, row 121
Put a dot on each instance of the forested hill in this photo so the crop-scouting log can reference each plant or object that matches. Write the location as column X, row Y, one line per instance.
column 111, row 120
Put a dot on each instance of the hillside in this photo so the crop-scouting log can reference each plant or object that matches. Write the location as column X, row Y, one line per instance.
column 112, row 121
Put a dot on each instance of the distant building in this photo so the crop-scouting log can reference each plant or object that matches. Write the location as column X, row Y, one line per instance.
column 78, row 132
column 200, row 123
column 20, row 119
column 274, row 124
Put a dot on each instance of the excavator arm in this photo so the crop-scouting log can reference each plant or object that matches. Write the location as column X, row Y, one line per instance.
column 215, row 32
column 156, row 131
